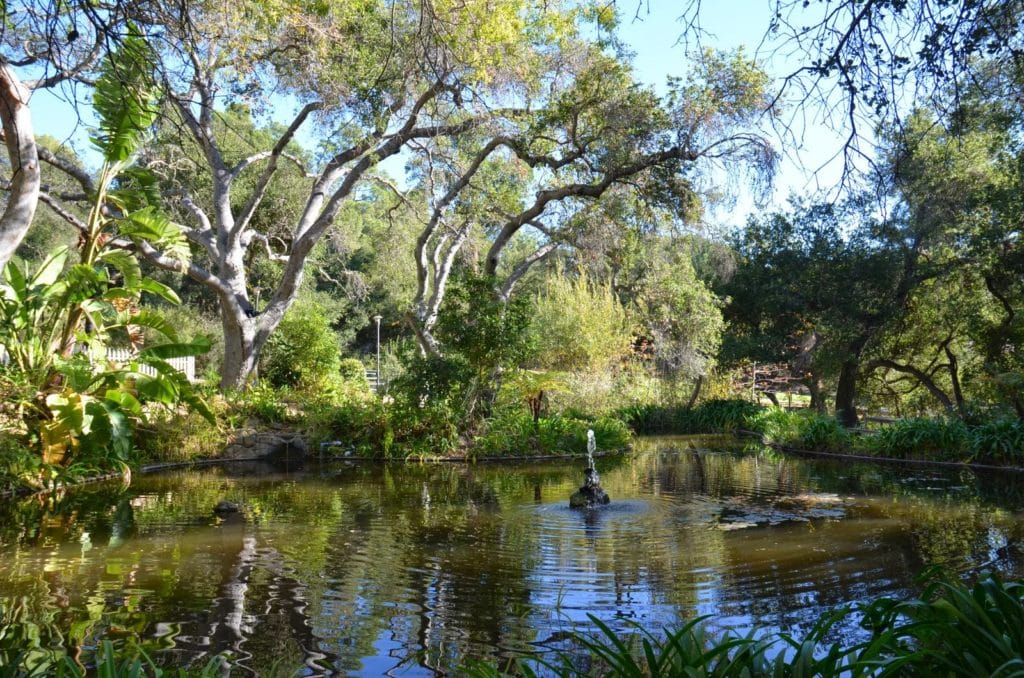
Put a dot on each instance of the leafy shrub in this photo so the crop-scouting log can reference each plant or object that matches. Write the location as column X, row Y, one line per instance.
column 353, row 372
column 1000, row 441
column 775, row 424
column 425, row 432
column 960, row 631
column 578, row 324
column 713, row 416
column 304, row 348
column 805, row 429
column 173, row 436
column 823, row 432
column 433, row 379
column 358, row 427
column 940, row 439
column 19, row 467
column 370, row 428
column 259, row 400
column 516, row 434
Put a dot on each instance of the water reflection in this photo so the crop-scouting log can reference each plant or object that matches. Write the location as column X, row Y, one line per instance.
column 413, row 569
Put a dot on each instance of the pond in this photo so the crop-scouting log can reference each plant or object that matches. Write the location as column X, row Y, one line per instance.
column 364, row 568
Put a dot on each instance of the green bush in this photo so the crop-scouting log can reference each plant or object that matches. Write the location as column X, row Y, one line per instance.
column 358, row 427
column 369, row 428
column 578, row 324
column 19, row 466
column 353, row 372
column 804, row 429
column 824, row 432
column 961, row 631
column 998, row 441
column 939, row 439
column 515, row 434
column 260, row 400
column 174, row 436
column 713, row 416
column 303, row 349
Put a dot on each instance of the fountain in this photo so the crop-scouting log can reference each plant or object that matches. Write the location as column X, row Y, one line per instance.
column 590, row 494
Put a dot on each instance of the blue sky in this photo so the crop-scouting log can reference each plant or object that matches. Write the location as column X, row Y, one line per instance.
column 652, row 30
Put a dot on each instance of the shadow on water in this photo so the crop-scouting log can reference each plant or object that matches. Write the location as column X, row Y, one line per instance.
column 355, row 568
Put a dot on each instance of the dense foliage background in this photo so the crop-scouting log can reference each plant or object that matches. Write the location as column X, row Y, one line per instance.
column 540, row 264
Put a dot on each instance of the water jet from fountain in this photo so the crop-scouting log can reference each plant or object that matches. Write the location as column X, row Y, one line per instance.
column 590, row 494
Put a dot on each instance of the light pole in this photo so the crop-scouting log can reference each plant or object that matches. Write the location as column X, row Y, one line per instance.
column 377, row 319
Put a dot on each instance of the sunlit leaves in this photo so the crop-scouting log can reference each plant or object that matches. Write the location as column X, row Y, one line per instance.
column 579, row 324
column 124, row 100
column 151, row 225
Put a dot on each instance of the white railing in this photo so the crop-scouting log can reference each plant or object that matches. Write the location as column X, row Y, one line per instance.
column 186, row 365
column 377, row 382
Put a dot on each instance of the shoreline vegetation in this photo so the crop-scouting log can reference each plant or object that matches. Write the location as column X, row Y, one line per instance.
column 359, row 426
column 997, row 442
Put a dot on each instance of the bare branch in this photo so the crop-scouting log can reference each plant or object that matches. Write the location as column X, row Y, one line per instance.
column 61, row 211
column 541, row 253
column 257, row 195
column 80, row 175
column 591, row 190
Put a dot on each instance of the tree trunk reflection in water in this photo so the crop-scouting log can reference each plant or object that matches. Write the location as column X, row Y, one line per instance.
column 231, row 626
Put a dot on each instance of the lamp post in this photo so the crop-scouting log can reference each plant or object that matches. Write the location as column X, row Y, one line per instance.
column 377, row 319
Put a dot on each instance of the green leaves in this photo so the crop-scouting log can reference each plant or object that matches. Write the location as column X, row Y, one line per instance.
column 175, row 350
column 150, row 225
column 29, row 317
column 579, row 324
column 85, row 404
column 169, row 387
column 83, row 423
column 124, row 100
column 155, row 321
column 125, row 263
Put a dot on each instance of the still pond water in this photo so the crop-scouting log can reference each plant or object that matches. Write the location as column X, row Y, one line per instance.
column 408, row 569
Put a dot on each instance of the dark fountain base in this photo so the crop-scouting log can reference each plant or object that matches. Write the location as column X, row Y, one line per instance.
column 591, row 494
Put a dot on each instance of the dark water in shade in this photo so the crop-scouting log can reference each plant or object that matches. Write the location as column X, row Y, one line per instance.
column 370, row 569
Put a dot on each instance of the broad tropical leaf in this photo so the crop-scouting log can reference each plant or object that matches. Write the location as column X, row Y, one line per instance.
column 197, row 346
column 159, row 289
column 51, row 268
column 126, row 264
column 148, row 224
column 16, row 287
column 155, row 321
column 125, row 400
column 124, row 100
